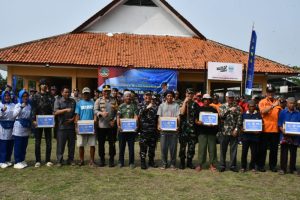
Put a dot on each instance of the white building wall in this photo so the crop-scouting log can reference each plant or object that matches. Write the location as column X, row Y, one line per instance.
column 141, row 20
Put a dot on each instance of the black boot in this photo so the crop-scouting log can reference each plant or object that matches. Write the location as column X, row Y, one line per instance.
column 143, row 163
column 189, row 164
column 182, row 163
column 111, row 162
column 102, row 162
column 151, row 163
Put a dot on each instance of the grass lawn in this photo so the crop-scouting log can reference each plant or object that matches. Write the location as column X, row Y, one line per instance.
column 115, row 183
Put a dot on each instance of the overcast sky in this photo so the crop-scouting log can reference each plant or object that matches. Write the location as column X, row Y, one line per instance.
column 277, row 22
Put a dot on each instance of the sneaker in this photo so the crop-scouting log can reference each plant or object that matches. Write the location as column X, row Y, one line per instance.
column 120, row 165
column 172, row 167
column 9, row 164
column 25, row 163
column 163, row 167
column 3, row 165
column 242, row 170
column 132, row 166
column 222, row 169
column 234, row 169
column 261, row 169
column 281, row 172
column 49, row 164
column 198, row 168
column 19, row 165
column 58, row 164
column 37, row 164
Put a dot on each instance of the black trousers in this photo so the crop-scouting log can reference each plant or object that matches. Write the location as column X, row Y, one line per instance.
column 225, row 140
column 284, row 150
column 246, row 144
column 270, row 140
column 130, row 139
column 64, row 136
column 110, row 135
column 38, row 138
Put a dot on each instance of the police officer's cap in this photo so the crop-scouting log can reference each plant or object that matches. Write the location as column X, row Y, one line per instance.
column 106, row 88
column 190, row 91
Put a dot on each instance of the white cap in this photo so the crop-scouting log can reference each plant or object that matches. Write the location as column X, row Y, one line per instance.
column 206, row 96
column 86, row 90
column 230, row 94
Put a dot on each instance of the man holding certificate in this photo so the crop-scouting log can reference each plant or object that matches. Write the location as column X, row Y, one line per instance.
column 85, row 111
column 168, row 113
column 206, row 120
column 250, row 136
column 187, row 135
column 231, row 114
column 105, row 109
column 64, row 109
column 288, row 142
column 269, row 109
column 42, row 105
column 127, row 124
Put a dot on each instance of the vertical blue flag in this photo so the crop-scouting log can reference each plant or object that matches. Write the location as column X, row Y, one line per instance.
column 250, row 71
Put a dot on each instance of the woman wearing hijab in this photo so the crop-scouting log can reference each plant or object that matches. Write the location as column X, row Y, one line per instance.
column 6, row 128
column 22, row 129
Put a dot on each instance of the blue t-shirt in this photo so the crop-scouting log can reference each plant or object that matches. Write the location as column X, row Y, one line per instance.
column 85, row 109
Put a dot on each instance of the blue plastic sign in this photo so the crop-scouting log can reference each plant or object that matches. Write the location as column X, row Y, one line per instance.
column 292, row 128
column 45, row 121
column 208, row 118
column 86, row 127
column 252, row 125
column 168, row 123
column 128, row 125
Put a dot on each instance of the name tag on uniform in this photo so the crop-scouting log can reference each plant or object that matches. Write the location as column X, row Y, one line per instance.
column 292, row 128
column 128, row 125
column 45, row 121
column 86, row 127
column 208, row 118
column 168, row 123
column 252, row 125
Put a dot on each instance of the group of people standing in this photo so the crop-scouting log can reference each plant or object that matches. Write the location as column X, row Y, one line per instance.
column 108, row 110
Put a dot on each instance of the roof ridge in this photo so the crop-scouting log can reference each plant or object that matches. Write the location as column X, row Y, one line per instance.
column 32, row 41
column 246, row 52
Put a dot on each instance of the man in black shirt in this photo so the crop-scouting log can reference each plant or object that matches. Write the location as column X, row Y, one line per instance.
column 42, row 104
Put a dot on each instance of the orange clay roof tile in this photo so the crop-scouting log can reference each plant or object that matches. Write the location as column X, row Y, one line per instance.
column 123, row 50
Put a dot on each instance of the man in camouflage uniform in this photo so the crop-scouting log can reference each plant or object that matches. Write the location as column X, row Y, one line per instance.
column 231, row 116
column 187, row 134
column 127, row 110
column 148, row 130
column 105, row 109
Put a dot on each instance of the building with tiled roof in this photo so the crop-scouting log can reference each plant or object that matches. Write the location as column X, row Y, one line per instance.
column 158, row 37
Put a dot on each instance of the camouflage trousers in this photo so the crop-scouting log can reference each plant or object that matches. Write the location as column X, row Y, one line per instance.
column 187, row 146
column 148, row 144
